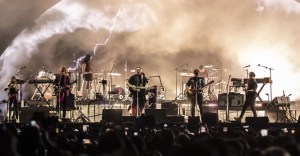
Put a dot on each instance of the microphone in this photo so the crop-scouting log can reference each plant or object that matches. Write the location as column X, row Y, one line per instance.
column 258, row 65
column 247, row 66
column 283, row 93
column 289, row 94
column 23, row 67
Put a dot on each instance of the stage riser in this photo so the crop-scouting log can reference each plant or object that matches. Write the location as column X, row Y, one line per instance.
column 94, row 112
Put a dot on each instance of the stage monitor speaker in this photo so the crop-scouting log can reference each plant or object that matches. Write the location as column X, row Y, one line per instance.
column 70, row 100
column 258, row 123
column 210, row 119
column 145, row 121
column 27, row 115
column 112, row 115
column 171, row 108
column 193, row 123
column 159, row 114
column 222, row 100
column 175, row 119
column 235, row 99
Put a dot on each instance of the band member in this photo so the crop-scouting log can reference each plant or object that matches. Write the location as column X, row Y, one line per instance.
column 137, row 87
column 202, row 72
column 250, row 96
column 86, row 69
column 194, row 92
column 62, row 87
column 13, row 89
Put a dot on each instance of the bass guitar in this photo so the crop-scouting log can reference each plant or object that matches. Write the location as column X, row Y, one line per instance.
column 190, row 93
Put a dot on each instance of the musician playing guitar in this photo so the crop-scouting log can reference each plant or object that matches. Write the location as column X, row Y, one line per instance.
column 194, row 92
column 62, row 87
column 13, row 89
column 137, row 87
column 250, row 96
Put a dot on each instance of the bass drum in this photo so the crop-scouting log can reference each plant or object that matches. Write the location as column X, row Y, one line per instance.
column 118, row 93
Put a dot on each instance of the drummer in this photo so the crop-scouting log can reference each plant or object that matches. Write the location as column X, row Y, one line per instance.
column 203, row 73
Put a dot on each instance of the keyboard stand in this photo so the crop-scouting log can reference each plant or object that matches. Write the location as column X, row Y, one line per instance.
column 260, row 99
column 42, row 92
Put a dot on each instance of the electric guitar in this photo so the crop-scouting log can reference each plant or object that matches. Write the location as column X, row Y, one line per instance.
column 11, row 96
column 190, row 93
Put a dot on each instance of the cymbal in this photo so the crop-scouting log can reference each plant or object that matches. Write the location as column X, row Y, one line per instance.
column 114, row 74
column 186, row 74
column 208, row 66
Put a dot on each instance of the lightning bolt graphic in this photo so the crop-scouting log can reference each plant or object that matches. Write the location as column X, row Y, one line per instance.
column 106, row 40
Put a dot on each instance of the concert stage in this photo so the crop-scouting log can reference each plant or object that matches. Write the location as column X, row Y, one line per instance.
column 94, row 111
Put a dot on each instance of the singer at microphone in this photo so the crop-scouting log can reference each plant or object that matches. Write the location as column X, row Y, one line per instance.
column 137, row 84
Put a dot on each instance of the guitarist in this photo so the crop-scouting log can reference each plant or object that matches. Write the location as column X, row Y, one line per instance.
column 62, row 87
column 250, row 96
column 194, row 92
column 137, row 87
column 13, row 89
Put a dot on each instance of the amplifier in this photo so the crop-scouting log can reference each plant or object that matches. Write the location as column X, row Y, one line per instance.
column 235, row 99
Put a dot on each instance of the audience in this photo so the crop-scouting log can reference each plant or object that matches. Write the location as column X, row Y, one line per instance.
column 46, row 137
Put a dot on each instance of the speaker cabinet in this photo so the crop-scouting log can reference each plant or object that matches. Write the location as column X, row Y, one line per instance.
column 159, row 114
column 257, row 123
column 28, row 114
column 171, row 108
column 235, row 99
column 193, row 123
column 210, row 118
column 112, row 115
column 175, row 119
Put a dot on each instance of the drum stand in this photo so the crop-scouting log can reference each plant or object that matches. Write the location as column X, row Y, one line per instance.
column 82, row 117
column 288, row 116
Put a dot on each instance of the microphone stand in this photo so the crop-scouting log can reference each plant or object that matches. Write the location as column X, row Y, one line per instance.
column 270, row 70
column 227, row 99
column 59, row 95
column 176, row 69
column 110, row 84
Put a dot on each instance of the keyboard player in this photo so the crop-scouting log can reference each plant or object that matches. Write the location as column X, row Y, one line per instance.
column 250, row 96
